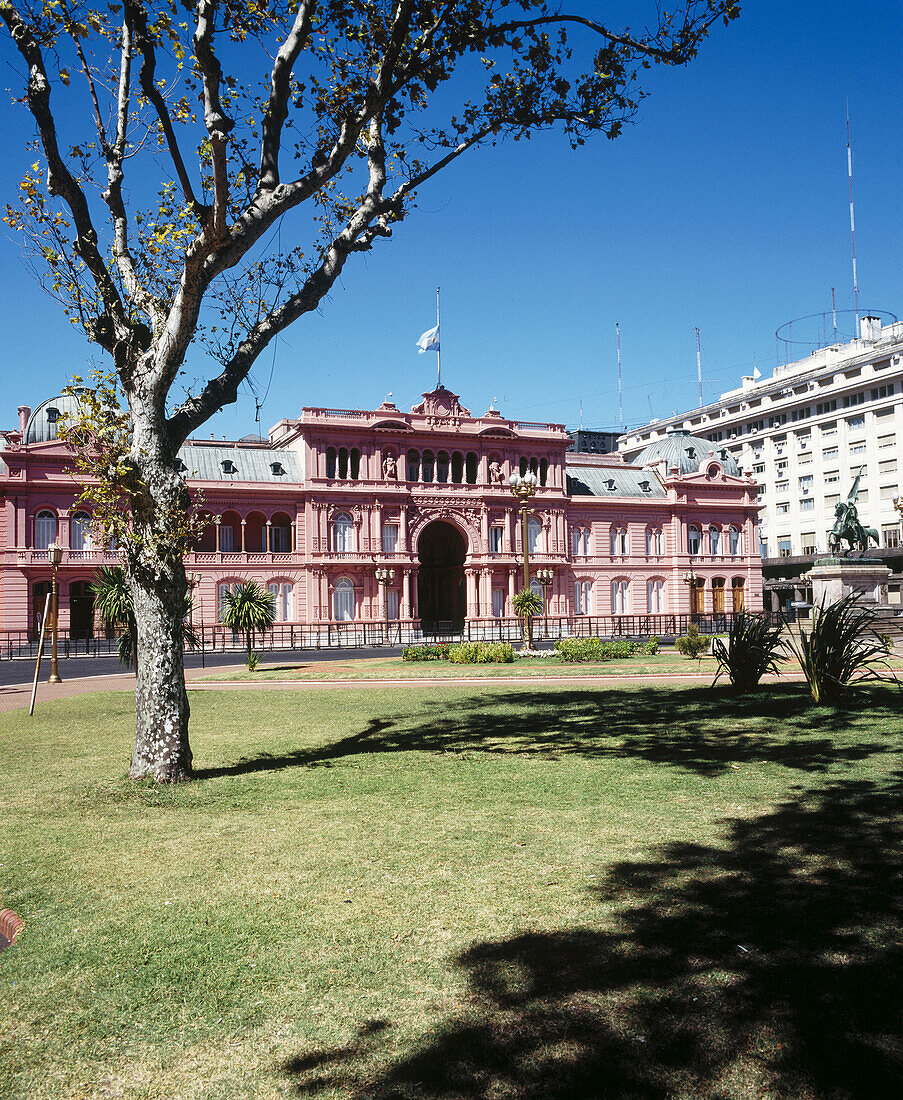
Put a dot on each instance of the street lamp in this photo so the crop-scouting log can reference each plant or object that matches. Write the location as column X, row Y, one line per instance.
column 545, row 577
column 384, row 577
column 524, row 488
column 55, row 554
column 692, row 581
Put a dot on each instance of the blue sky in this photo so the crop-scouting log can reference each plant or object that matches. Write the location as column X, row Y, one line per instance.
column 724, row 206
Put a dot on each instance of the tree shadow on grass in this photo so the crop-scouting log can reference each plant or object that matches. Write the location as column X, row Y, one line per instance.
column 703, row 730
column 769, row 966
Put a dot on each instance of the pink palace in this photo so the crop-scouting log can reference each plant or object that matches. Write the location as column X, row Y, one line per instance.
column 330, row 497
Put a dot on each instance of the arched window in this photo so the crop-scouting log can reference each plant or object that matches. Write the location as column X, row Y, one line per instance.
column 543, row 470
column 330, row 461
column 733, row 540
column 694, row 539
column 229, row 532
column 471, row 468
column 80, row 536
column 655, row 596
column 427, row 468
column 537, row 589
column 523, row 466
column 738, row 595
column 534, row 528
column 342, row 533
column 618, row 541
column 654, row 542
column 457, row 468
column 343, row 462
column 534, row 466
column 582, row 596
column 44, row 529
column 355, row 463
column 581, row 542
column 281, row 594
column 413, row 465
column 280, row 533
column 221, row 590
column 343, row 600
column 619, row 597
column 714, row 540
column 442, row 467
column 718, row 594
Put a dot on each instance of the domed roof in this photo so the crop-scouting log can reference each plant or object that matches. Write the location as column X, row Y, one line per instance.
column 43, row 422
column 686, row 452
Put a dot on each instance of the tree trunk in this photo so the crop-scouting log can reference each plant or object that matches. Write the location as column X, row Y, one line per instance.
column 162, row 751
column 157, row 576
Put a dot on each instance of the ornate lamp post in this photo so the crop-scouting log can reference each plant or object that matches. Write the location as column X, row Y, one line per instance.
column 524, row 489
column 55, row 554
column 692, row 582
column 384, row 578
column 545, row 578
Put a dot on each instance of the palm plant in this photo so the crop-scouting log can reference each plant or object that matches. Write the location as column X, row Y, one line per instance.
column 246, row 609
column 113, row 602
column 840, row 651
column 526, row 604
column 751, row 651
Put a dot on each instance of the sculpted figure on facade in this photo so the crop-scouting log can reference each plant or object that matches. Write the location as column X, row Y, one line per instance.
column 390, row 468
column 495, row 473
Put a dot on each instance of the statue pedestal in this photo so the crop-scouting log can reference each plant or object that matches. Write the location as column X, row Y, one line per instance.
column 834, row 578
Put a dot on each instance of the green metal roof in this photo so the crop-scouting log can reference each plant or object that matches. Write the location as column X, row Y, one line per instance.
column 613, row 481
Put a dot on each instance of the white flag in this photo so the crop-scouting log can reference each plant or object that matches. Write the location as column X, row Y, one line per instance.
column 429, row 341
column 756, row 373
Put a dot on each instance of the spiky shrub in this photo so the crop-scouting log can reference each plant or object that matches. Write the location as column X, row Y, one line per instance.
column 113, row 602
column 751, row 651
column 841, row 650
column 247, row 610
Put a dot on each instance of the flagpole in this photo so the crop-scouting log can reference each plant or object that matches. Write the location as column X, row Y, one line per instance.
column 439, row 349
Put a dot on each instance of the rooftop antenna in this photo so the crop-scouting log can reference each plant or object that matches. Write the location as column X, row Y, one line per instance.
column 439, row 346
column 852, row 224
column 620, row 391
column 834, row 313
column 699, row 367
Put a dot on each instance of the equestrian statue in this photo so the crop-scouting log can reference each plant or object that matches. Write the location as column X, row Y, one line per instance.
column 847, row 527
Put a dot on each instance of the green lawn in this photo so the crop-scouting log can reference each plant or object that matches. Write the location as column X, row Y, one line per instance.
column 441, row 893
column 393, row 668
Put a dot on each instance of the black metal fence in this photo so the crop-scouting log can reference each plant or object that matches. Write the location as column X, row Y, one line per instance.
column 366, row 635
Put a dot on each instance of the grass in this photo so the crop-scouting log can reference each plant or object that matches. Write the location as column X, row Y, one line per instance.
column 441, row 892
column 394, row 668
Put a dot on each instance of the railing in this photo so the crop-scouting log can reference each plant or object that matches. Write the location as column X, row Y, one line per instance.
column 366, row 635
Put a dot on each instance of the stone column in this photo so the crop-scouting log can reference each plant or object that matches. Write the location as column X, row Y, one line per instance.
column 512, row 589
column 268, row 544
column 470, row 576
column 244, row 524
column 403, row 535
column 217, row 521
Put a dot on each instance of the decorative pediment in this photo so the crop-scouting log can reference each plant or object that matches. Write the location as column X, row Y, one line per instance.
column 441, row 407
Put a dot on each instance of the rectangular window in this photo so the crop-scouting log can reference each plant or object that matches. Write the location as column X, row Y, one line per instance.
column 852, row 399
column 885, row 441
column 781, row 486
column 226, row 542
column 807, row 504
column 804, row 460
column 784, row 548
column 390, row 538
column 582, row 592
column 806, row 483
column 890, row 534
column 887, row 466
column 856, row 421
column 496, row 534
column 829, row 452
column 759, row 468
column 857, row 449
column 498, row 603
column 826, row 407
column 783, row 509
column 831, row 477
column 808, row 542
column 655, row 602
column 888, row 492
column 831, row 500
column 882, row 391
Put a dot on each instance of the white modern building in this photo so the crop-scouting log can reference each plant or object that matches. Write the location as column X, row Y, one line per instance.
column 804, row 434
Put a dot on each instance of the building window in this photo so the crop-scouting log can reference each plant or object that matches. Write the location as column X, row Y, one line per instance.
column 81, row 532
column 783, row 509
column 280, row 534
column 654, row 542
column 498, row 603
column 857, row 449
column 655, row 596
column 619, row 597
column 496, row 535
column 581, row 542
column 413, row 465
column 442, row 467
column 618, row 541
column 890, row 534
column 887, row 466
column 470, row 468
column 784, row 549
column 781, row 486
column 343, row 600
column 733, row 541
column 393, row 604
column 694, row 539
column 807, row 539
column 831, row 476
column 390, row 537
column 44, row 530
column 718, row 595
column 807, row 504
column 281, row 595
column 714, row 541
column 582, row 595
column 885, row 441
column 534, row 527
column 342, row 534
column 226, row 538
column 427, row 466
column 856, row 421
column 222, row 590
column 805, row 483
column 738, row 595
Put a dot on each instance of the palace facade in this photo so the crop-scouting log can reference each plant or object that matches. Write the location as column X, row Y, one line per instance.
column 312, row 511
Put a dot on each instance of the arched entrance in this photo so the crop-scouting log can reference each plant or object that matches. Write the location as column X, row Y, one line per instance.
column 440, row 583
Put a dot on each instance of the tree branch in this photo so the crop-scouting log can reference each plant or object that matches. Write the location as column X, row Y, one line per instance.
column 280, row 86
column 218, row 125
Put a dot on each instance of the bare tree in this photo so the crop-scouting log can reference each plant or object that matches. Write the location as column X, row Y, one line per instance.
column 363, row 102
